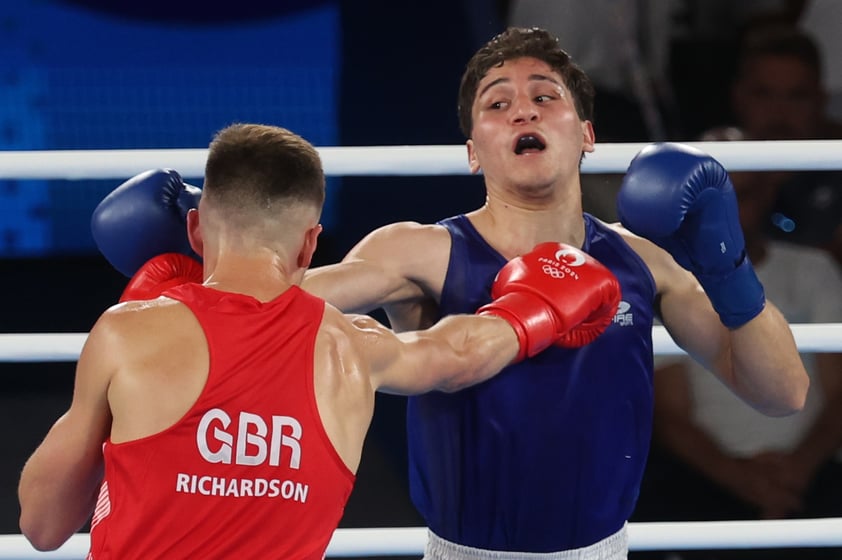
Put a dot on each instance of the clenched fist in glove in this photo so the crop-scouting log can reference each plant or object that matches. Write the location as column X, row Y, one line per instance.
column 555, row 294
column 682, row 200
column 161, row 273
column 143, row 218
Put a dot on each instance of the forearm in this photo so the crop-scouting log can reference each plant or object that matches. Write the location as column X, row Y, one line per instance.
column 475, row 349
column 458, row 351
column 57, row 491
column 766, row 369
column 52, row 513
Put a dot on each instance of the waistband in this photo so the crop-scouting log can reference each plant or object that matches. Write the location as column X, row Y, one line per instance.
column 613, row 547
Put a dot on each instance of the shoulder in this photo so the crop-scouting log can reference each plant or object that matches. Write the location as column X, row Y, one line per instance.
column 652, row 255
column 360, row 343
column 125, row 328
column 131, row 314
column 400, row 233
column 347, row 347
column 416, row 253
column 666, row 273
column 349, row 332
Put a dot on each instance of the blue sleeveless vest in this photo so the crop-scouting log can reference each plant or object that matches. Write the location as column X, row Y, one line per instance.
column 549, row 454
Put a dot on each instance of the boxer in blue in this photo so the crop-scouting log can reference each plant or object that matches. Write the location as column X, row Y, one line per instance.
column 547, row 457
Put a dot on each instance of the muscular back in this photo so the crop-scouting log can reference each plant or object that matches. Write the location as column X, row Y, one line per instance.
column 156, row 381
column 233, row 434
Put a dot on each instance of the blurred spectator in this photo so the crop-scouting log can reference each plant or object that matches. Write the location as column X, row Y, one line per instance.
column 778, row 94
column 821, row 19
column 725, row 18
column 715, row 458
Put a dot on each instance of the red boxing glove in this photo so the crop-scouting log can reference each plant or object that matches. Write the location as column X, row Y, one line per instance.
column 555, row 294
column 161, row 273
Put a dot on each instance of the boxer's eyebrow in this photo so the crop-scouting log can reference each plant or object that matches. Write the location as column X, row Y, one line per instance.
column 543, row 77
column 532, row 78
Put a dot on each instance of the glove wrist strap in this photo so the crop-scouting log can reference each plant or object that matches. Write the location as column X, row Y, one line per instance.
column 529, row 317
column 737, row 297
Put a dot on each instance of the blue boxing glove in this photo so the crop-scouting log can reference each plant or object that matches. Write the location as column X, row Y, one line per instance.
column 682, row 199
column 144, row 217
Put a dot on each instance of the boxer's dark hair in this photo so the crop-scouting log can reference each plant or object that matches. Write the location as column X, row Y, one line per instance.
column 518, row 42
column 252, row 165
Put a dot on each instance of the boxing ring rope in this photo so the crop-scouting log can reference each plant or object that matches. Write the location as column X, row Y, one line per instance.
column 444, row 160
column 65, row 347
column 777, row 155
column 410, row 541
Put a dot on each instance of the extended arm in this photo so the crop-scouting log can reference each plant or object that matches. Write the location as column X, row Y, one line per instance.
column 554, row 294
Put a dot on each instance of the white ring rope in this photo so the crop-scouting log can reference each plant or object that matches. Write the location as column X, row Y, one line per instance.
column 405, row 160
column 409, row 541
column 65, row 347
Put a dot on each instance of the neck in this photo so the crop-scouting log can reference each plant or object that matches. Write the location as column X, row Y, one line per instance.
column 262, row 274
column 514, row 227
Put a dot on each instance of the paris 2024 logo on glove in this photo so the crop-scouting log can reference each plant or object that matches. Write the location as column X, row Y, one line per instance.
column 566, row 259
